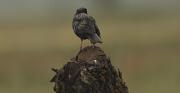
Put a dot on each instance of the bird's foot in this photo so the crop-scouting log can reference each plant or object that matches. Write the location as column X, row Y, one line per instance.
column 93, row 45
column 80, row 49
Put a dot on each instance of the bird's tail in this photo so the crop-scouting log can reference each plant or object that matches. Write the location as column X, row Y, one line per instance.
column 95, row 39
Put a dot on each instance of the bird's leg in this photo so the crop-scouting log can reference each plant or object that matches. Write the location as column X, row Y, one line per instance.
column 81, row 44
column 80, row 50
column 93, row 45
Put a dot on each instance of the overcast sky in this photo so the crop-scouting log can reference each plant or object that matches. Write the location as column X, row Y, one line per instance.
column 11, row 9
column 36, row 5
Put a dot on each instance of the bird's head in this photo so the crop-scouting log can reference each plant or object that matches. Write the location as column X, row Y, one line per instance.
column 81, row 10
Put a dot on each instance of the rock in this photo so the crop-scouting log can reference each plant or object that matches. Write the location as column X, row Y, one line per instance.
column 90, row 71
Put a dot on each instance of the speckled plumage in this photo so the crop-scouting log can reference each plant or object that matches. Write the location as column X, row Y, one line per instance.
column 85, row 26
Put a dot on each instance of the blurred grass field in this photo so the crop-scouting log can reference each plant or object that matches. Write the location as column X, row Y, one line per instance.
column 147, row 52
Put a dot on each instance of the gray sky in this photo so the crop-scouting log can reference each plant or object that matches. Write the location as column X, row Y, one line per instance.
column 30, row 9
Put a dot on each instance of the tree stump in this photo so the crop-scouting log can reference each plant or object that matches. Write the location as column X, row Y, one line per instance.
column 90, row 71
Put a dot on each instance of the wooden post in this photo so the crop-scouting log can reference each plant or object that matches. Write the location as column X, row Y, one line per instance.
column 90, row 71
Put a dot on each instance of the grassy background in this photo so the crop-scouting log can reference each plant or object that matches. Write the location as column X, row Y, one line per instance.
column 144, row 45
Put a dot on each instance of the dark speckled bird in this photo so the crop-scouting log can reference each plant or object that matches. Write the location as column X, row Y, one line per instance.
column 85, row 27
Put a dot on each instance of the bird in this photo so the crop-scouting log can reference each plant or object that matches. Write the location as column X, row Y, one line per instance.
column 85, row 27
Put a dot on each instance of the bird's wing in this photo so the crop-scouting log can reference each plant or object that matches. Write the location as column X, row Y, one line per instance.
column 75, row 23
column 97, row 31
